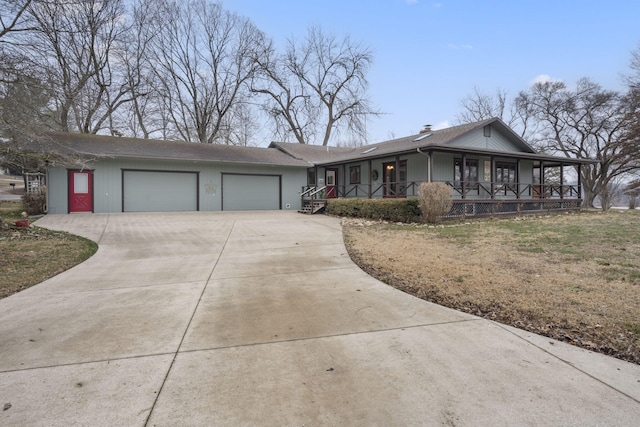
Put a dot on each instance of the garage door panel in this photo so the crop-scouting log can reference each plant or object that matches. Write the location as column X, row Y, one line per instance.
column 159, row 191
column 250, row 192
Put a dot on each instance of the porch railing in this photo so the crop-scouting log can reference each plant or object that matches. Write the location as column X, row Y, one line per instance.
column 484, row 190
column 462, row 190
column 469, row 199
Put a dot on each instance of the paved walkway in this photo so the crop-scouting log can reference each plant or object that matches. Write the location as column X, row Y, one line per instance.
column 262, row 319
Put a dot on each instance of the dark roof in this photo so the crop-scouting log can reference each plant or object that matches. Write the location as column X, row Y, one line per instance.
column 312, row 153
column 122, row 147
column 437, row 140
column 282, row 153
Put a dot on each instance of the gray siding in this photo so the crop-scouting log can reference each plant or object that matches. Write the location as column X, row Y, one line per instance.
column 443, row 166
column 496, row 142
column 57, row 191
column 526, row 172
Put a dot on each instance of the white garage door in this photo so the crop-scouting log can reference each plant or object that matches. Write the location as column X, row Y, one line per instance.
column 241, row 192
column 159, row 191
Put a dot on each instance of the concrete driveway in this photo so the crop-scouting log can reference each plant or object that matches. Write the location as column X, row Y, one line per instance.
column 262, row 319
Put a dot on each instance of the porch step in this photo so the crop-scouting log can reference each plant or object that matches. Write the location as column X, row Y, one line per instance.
column 312, row 208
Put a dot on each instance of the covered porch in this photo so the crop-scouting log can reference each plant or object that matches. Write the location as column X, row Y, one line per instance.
column 482, row 183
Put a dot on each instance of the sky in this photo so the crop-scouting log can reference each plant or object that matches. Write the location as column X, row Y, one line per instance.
column 430, row 55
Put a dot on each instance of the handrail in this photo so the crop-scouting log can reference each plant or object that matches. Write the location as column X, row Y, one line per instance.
column 318, row 190
column 307, row 191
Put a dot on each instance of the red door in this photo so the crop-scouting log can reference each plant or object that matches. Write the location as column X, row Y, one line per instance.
column 331, row 181
column 80, row 191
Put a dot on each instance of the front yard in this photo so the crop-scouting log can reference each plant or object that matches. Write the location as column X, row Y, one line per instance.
column 573, row 277
column 30, row 255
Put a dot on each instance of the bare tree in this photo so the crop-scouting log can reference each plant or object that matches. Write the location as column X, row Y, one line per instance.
column 203, row 56
column 633, row 79
column 586, row 123
column 13, row 16
column 23, row 96
column 14, row 23
column 288, row 101
column 73, row 47
column 144, row 116
column 317, row 88
column 479, row 106
column 632, row 99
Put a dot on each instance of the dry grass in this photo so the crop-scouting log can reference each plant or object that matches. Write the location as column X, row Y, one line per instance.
column 31, row 255
column 573, row 277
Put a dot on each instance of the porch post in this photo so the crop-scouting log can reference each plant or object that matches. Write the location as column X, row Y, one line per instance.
column 492, row 177
column 561, row 180
column 430, row 166
column 543, row 190
column 463, row 174
column 397, row 178
column 580, row 182
column 344, row 181
column 518, row 178
column 369, row 194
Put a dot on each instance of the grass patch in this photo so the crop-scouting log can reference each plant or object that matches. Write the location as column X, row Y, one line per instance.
column 11, row 210
column 574, row 277
column 31, row 255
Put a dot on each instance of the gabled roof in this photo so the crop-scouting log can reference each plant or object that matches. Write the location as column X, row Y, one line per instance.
column 76, row 144
column 312, row 153
column 437, row 140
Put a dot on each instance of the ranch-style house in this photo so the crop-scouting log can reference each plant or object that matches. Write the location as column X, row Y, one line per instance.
column 489, row 168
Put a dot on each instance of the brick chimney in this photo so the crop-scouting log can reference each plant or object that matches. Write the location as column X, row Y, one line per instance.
column 427, row 129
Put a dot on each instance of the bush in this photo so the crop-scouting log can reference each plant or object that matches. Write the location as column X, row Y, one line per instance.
column 34, row 204
column 435, row 200
column 394, row 210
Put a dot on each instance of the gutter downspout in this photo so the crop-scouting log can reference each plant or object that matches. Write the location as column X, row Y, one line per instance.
column 428, row 155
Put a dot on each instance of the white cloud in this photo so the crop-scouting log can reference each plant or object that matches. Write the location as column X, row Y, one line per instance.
column 437, row 5
column 544, row 78
column 441, row 125
column 411, row 1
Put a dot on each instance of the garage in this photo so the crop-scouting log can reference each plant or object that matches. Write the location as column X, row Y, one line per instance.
column 242, row 192
column 159, row 191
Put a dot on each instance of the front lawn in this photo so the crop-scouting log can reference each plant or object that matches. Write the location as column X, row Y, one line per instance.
column 574, row 277
column 31, row 255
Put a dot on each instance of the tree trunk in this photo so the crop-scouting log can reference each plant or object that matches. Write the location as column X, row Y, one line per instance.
column 605, row 201
column 589, row 198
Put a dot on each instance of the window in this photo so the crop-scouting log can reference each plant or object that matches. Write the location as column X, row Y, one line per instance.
column 505, row 173
column 311, row 177
column 354, row 174
column 470, row 171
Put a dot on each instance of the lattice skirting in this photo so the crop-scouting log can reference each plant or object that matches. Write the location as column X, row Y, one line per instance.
column 471, row 208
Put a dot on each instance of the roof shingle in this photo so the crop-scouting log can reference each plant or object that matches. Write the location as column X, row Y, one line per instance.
column 122, row 147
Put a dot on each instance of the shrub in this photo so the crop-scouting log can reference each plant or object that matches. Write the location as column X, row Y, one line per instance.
column 395, row 210
column 34, row 204
column 435, row 200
